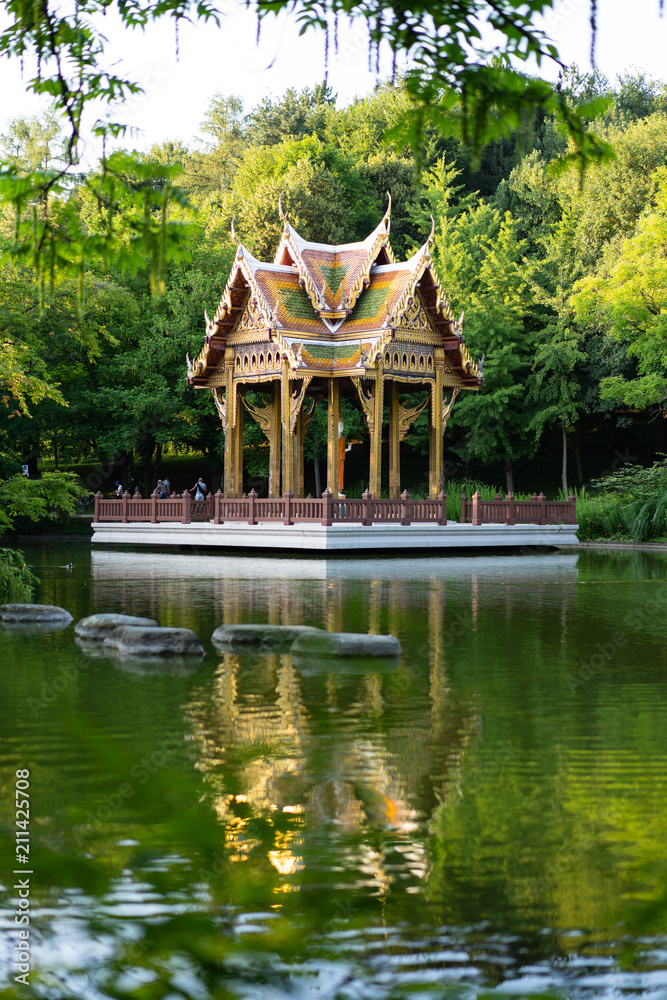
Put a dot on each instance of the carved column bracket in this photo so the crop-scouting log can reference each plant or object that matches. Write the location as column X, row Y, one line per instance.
column 366, row 401
column 220, row 405
column 408, row 415
column 296, row 400
column 263, row 415
column 447, row 407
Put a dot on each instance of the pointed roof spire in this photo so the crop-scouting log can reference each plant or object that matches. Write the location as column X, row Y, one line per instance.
column 432, row 234
column 387, row 215
column 239, row 245
column 281, row 213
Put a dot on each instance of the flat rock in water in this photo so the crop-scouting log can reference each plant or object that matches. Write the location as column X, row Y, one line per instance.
column 37, row 613
column 98, row 627
column 347, row 644
column 266, row 637
column 172, row 666
column 136, row 641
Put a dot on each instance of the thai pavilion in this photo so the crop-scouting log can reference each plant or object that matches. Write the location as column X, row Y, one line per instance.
column 323, row 322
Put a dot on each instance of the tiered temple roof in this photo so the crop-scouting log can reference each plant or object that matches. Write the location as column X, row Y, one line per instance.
column 333, row 309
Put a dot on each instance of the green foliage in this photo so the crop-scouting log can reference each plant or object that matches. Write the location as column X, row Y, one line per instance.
column 629, row 293
column 17, row 582
column 50, row 497
column 632, row 503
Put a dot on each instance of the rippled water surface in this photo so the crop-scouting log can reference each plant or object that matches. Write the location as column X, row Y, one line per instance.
column 486, row 815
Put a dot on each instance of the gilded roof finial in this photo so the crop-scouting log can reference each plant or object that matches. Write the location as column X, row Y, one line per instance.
column 280, row 210
column 431, row 237
column 234, row 236
column 387, row 215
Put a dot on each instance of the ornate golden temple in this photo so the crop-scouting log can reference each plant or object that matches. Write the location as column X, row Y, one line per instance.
column 323, row 322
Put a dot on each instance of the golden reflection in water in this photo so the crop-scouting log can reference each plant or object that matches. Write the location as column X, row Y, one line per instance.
column 306, row 747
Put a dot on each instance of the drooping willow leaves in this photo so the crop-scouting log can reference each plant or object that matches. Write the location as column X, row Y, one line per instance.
column 458, row 82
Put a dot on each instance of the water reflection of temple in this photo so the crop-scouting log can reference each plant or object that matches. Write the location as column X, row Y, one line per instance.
column 370, row 756
column 359, row 753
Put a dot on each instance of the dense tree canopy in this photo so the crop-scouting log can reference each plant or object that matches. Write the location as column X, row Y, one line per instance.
column 560, row 281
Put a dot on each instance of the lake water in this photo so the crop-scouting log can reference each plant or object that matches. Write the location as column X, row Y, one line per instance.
column 486, row 816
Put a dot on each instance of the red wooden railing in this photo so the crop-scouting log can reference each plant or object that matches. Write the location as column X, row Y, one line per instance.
column 537, row 510
column 327, row 511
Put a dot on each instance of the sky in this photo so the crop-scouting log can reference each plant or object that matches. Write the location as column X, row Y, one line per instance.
column 227, row 60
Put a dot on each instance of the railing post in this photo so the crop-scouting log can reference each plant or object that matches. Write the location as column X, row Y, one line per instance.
column 442, row 508
column 186, row 507
column 208, row 509
column 511, row 509
column 533, row 513
column 96, row 515
column 406, row 508
column 464, row 511
column 154, row 507
column 476, row 508
column 252, row 496
column 367, row 498
column 124, row 507
column 217, row 507
column 572, row 500
column 543, row 508
column 326, row 508
column 287, row 501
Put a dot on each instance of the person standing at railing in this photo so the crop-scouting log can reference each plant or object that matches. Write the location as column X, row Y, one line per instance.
column 199, row 489
column 119, row 490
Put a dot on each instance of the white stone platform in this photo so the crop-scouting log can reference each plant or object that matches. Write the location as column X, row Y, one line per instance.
column 384, row 538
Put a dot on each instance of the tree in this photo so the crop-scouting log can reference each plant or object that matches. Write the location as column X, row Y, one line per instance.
column 554, row 388
column 480, row 260
column 295, row 116
column 628, row 295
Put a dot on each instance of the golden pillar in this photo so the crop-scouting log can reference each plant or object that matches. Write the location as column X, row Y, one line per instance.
column 375, row 476
column 394, row 442
column 301, row 428
column 289, row 466
column 333, row 419
column 275, row 441
column 229, row 419
column 436, row 471
column 236, row 434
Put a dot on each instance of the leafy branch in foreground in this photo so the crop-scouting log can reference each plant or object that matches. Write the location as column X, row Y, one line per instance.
column 456, row 80
column 49, row 497
column 16, row 579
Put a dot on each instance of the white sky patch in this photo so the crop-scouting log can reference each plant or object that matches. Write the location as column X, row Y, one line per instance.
column 227, row 60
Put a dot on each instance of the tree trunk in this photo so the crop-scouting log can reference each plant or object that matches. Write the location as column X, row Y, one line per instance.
column 564, row 467
column 578, row 452
column 318, row 484
column 509, row 474
column 158, row 462
column 661, row 433
column 55, row 454
column 147, row 486
column 30, row 456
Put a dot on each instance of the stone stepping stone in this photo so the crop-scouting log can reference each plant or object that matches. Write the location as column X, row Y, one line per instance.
column 347, row 644
column 146, row 666
column 97, row 627
column 268, row 638
column 134, row 640
column 36, row 614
